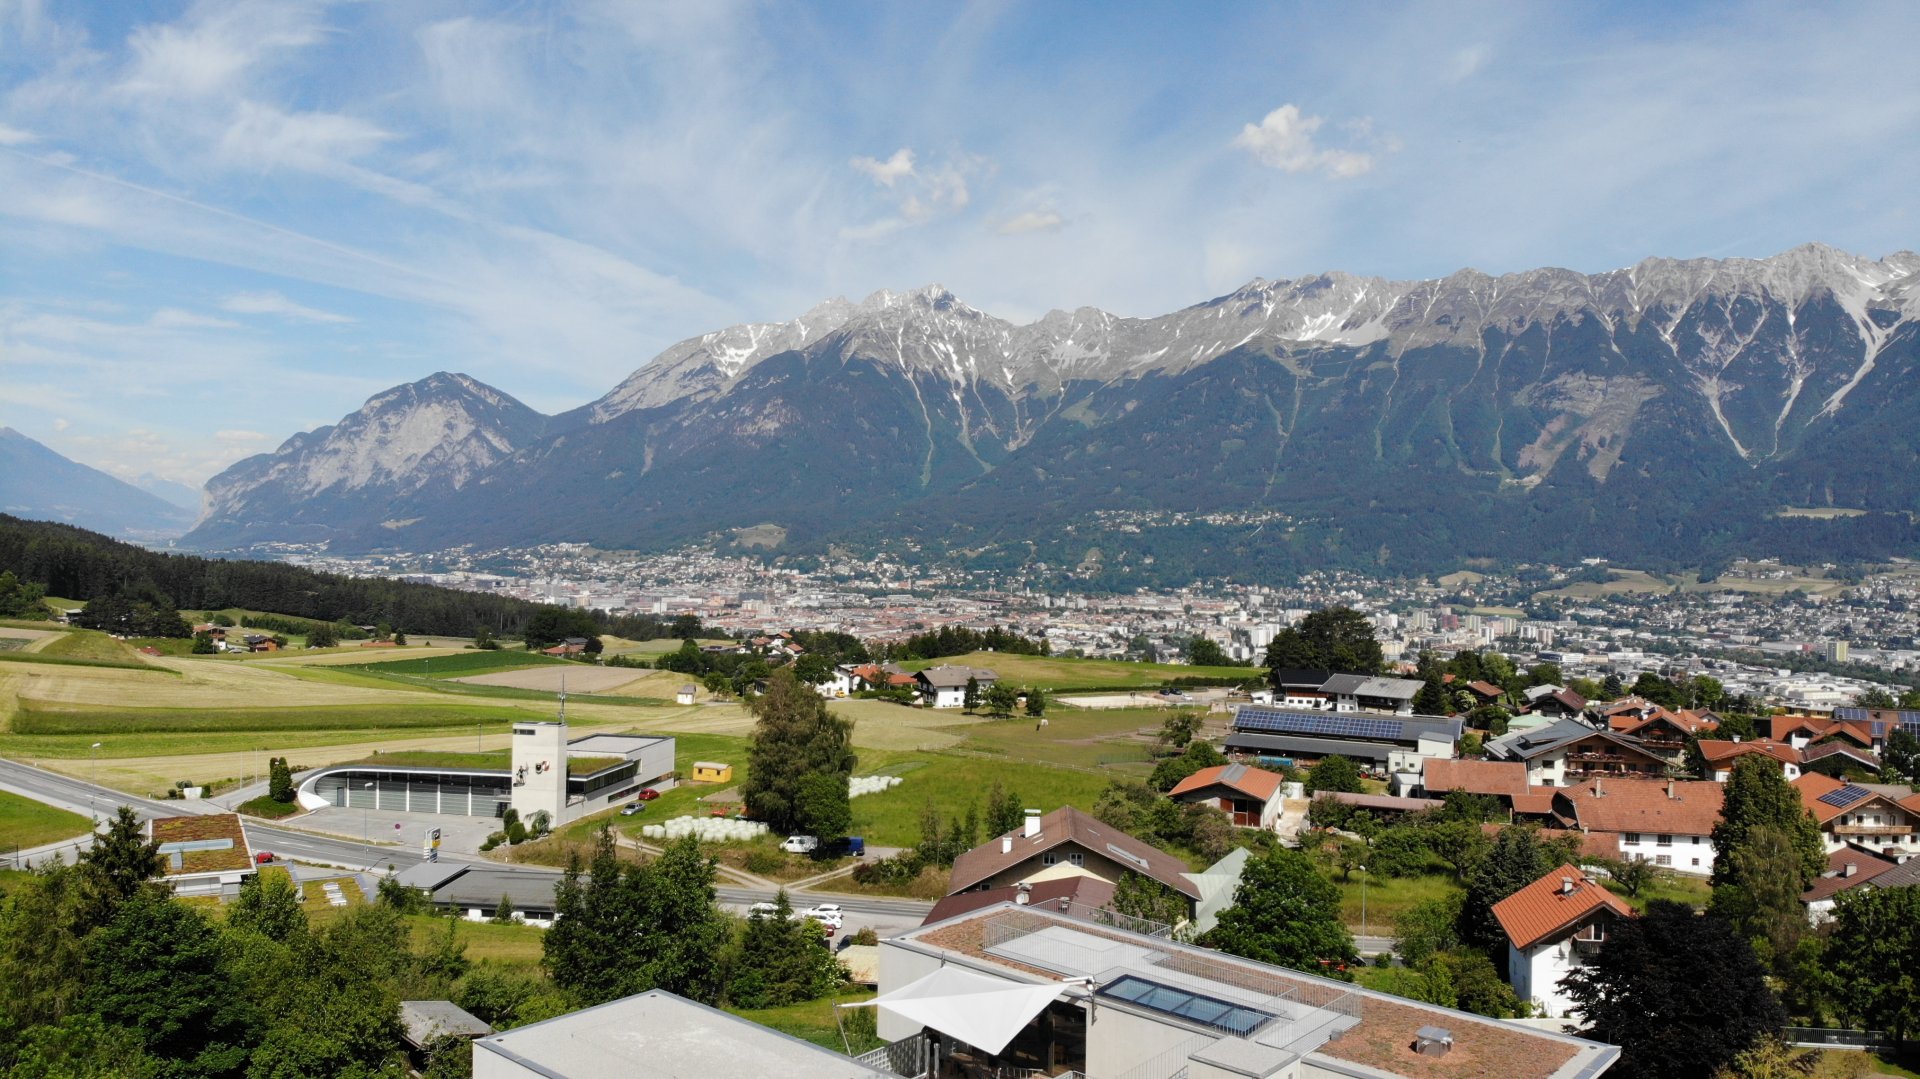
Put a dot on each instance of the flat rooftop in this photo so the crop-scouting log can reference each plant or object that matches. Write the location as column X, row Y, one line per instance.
column 209, row 843
column 1260, row 1014
column 613, row 745
column 659, row 1034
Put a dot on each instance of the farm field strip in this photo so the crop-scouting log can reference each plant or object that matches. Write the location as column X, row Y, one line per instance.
column 1065, row 674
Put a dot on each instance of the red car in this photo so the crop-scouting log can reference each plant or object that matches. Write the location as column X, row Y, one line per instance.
column 648, row 794
column 265, row 857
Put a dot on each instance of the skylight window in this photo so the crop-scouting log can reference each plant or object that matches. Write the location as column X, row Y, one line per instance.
column 1207, row 1011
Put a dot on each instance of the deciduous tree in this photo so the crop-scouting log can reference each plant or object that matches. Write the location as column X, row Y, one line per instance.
column 1334, row 773
column 794, row 736
column 1681, row 994
column 1284, row 913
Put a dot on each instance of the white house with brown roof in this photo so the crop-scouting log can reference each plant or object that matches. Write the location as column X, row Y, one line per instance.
column 1668, row 822
column 1249, row 796
column 1553, row 926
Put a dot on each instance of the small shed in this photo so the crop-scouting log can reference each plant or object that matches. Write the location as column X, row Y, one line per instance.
column 712, row 772
column 425, row 1022
column 685, row 694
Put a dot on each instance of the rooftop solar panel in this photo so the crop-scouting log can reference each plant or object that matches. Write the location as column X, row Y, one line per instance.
column 1846, row 795
column 1335, row 724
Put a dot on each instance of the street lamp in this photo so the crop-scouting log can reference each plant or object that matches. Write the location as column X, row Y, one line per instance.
column 366, row 815
column 93, row 800
column 1363, row 900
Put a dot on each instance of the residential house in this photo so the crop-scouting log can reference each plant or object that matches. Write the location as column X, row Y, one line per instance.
column 1666, row 822
column 1301, row 689
column 1880, row 723
column 1325, row 691
column 1028, row 990
column 1485, row 692
column 1802, row 732
column 1663, row 732
column 686, row 693
column 1077, row 894
column 1847, row 868
column 1568, row 751
column 1838, row 758
column 1717, row 756
column 945, row 686
column 1554, row 926
column 572, row 646
column 1249, row 796
column 1879, row 817
column 1554, row 702
column 1392, row 743
column 1067, row 843
column 202, row 854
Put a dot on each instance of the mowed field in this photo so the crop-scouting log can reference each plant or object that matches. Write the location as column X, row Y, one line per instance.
column 1060, row 673
column 25, row 823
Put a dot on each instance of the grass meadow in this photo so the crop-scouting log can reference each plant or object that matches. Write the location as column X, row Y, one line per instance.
column 26, row 823
column 1066, row 674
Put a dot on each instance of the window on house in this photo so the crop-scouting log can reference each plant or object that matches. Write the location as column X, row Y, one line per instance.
column 1663, row 859
column 1049, row 859
column 1696, row 842
column 1665, row 841
column 1077, row 858
column 1632, row 837
column 1696, row 862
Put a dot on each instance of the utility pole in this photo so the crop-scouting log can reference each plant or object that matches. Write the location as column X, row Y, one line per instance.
column 93, row 800
column 1363, row 900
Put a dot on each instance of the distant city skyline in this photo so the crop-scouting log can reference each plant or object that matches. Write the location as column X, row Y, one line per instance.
column 228, row 222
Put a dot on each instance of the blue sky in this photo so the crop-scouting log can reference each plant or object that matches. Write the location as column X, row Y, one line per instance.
column 221, row 223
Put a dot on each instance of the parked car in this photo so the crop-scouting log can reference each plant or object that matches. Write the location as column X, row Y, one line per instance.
column 648, row 794
column 763, row 910
column 827, row 914
column 630, row 810
column 801, row 844
column 264, row 857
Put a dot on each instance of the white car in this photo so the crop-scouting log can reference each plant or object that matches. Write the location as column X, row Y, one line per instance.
column 827, row 914
column 763, row 910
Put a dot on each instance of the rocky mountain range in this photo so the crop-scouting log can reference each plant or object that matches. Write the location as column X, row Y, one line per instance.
column 1664, row 413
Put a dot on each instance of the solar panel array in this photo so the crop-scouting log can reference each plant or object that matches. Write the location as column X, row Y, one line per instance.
column 1327, row 723
column 1904, row 717
column 1846, row 796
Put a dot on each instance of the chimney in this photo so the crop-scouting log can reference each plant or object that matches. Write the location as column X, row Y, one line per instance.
column 1024, row 895
column 1432, row 1041
column 1566, row 885
column 1033, row 824
column 1670, row 793
column 1850, row 869
column 1736, row 739
column 1597, row 792
column 1006, row 844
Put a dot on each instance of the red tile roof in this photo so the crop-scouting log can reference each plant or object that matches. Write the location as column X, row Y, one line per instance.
column 1719, row 750
column 1561, row 900
column 1505, row 778
column 1252, row 782
column 1666, row 806
column 1814, row 786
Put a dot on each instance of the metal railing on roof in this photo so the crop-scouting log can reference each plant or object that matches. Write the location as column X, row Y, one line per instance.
column 906, row 1058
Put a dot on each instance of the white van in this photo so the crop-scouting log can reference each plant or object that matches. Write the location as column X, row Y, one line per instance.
column 801, row 844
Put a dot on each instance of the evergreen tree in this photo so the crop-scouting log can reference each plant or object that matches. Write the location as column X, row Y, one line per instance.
column 1005, row 813
column 1758, row 795
column 279, row 781
column 1760, row 898
column 1284, row 913
column 1515, row 860
column 1001, row 699
column 1681, row 995
column 783, row 960
column 794, row 736
column 1331, row 639
column 121, row 863
column 1036, row 701
column 323, row 635
column 1432, row 700
column 503, row 911
column 824, row 808
column 970, row 697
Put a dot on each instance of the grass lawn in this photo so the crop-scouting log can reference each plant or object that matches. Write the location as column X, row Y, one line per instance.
column 892, row 818
column 460, row 664
column 26, row 823
column 128, row 664
column 37, row 720
column 88, row 644
column 508, row 945
column 1083, row 739
column 1066, row 674
column 620, row 646
column 812, row 1021
column 371, row 676
column 1386, row 898
column 1693, row 891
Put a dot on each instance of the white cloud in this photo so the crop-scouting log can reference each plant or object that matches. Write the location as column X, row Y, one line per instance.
column 886, row 172
column 1284, row 140
column 239, row 436
column 60, row 423
column 264, row 137
column 13, row 136
column 213, row 49
column 1032, row 221
column 1468, row 62
column 273, row 303
column 172, row 318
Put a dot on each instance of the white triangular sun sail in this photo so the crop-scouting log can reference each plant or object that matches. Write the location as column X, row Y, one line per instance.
column 983, row 1012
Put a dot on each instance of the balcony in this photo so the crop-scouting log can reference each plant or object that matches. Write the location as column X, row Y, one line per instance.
column 1873, row 829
